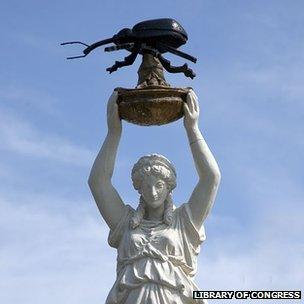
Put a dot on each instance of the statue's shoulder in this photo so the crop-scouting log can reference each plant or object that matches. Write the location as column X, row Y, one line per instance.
column 128, row 210
column 179, row 211
column 178, row 208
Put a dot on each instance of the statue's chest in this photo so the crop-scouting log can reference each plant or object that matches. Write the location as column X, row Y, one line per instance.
column 148, row 238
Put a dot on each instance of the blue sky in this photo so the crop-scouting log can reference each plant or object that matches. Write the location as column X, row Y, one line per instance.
column 53, row 242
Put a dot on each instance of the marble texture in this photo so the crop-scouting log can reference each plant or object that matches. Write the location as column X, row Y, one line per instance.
column 157, row 244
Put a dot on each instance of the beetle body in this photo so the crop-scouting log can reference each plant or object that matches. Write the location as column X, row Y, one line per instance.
column 155, row 36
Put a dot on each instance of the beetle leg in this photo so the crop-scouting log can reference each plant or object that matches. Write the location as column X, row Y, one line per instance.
column 129, row 60
column 176, row 69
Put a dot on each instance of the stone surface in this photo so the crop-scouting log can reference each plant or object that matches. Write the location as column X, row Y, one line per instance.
column 151, row 105
column 157, row 244
column 151, row 73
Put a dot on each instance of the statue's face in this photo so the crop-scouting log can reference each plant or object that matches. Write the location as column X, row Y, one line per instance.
column 154, row 191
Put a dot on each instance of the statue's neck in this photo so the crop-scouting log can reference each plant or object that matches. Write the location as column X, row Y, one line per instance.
column 155, row 214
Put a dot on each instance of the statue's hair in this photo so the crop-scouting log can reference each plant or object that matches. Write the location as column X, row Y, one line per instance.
column 158, row 166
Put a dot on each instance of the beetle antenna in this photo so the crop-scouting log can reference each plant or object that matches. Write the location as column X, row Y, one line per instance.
column 74, row 42
column 97, row 44
column 75, row 57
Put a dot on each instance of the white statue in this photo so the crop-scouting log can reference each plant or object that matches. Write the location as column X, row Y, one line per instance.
column 157, row 244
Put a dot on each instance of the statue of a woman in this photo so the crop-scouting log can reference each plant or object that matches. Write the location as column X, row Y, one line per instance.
column 157, row 244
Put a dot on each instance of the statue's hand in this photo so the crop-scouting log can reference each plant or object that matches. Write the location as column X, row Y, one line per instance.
column 191, row 111
column 114, row 121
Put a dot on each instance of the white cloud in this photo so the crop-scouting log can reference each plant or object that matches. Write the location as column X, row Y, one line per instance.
column 21, row 137
column 49, row 254
column 35, row 42
column 52, row 253
column 267, row 252
column 271, row 257
column 17, row 95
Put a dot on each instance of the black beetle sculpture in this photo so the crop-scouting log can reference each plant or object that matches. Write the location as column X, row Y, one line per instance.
column 154, row 37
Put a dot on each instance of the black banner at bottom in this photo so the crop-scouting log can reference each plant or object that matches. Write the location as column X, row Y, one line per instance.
column 248, row 294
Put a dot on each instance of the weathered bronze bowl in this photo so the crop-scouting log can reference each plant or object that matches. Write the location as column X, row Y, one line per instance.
column 152, row 105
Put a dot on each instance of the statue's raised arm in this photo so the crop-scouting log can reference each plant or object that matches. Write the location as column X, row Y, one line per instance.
column 203, row 195
column 106, row 197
